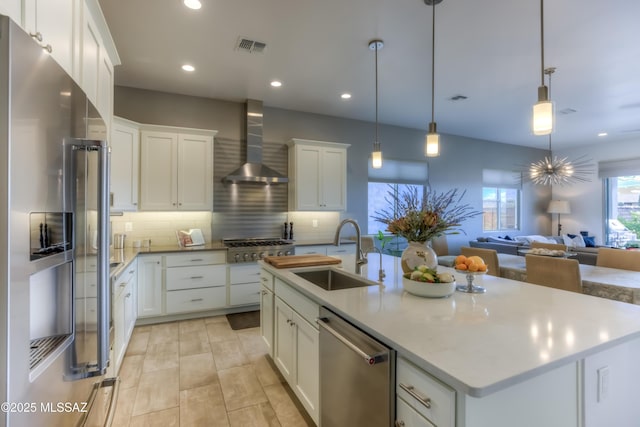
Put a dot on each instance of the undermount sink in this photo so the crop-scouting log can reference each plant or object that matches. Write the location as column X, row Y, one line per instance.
column 332, row 280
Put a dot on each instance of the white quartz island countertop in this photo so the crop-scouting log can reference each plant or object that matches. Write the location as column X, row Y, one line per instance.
column 477, row 343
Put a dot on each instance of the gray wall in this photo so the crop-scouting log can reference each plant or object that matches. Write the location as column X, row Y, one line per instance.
column 460, row 164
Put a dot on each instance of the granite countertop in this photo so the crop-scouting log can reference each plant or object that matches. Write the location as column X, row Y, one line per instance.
column 478, row 343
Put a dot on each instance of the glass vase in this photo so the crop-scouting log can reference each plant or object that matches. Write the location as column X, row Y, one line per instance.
column 418, row 253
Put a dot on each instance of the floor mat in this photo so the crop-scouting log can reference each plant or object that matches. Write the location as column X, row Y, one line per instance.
column 249, row 319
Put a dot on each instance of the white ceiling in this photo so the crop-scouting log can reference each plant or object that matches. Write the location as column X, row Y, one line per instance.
column 486, row 50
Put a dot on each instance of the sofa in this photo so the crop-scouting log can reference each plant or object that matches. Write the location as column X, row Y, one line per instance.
column 584, row 254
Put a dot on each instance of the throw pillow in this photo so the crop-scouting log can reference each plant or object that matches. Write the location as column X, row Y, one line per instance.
column 574, row 241
column 589, row 241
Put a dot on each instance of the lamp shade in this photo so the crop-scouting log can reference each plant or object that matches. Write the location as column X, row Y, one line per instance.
column 376, row 159
column 559, row 207
column 542, row 118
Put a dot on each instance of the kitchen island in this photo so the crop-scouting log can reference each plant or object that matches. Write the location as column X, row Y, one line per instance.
column 519, row 354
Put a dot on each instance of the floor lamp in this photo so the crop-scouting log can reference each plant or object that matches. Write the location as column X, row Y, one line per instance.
column 559, row 207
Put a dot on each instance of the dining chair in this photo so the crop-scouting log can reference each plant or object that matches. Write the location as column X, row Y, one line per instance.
column 554, row 272
column 618, row 258
column 552, row 246
column 489, row 256
column 441, row 248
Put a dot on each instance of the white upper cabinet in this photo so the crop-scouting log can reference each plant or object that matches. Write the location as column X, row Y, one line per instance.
column 78, row 38
column 50, row 22
column 176, row 169
column 13, row 9
column 96, row 73
column 125, row 165
column 317, row 175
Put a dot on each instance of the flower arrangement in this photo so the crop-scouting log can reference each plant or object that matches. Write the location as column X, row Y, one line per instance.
column 420, row 219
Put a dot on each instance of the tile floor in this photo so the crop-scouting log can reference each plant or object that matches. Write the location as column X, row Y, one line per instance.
column 200, row 372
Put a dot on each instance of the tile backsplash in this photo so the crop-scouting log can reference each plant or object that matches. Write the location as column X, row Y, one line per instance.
column 160, row 227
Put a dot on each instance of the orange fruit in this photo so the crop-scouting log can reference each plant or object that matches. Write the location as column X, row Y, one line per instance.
column 477, row 259
column 482, row 267
column 468, row 261
column 474, row 266
column 461, row 266
column 460, row 259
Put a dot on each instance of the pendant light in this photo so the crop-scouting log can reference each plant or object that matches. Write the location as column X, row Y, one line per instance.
column 432, row 140
column 376, row 154
column 559, row 171
column 543, row 109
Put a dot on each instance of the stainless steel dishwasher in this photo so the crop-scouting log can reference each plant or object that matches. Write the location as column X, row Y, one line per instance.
column 357, row 376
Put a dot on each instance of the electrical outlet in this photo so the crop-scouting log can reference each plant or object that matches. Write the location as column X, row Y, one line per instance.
column 604, row 383
column 314, row 223
column 128, row 226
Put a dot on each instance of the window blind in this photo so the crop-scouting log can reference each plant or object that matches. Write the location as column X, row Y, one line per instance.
column 613, row 168
column 400, row 171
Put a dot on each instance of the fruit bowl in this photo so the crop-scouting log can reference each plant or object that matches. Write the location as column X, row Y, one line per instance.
column 429, row 290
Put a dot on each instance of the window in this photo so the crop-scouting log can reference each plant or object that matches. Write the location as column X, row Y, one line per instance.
column 621, row 181
column 500, row 208
column 500, row 200
column 395, row 175
column 377, row 201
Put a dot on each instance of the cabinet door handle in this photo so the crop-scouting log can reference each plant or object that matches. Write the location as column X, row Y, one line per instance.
column 48, row 48
column 399, row 423
column 37, row 36
column 264, row 292
column 426, row 401
column 128, row 295
column 197, row 260
column 197, row 300
column 292, row 324
column 196, row 277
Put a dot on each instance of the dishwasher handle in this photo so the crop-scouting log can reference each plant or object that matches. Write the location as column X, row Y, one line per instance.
column 369, row 359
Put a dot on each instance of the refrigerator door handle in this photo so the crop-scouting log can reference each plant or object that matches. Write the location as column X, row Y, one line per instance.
column 104, row 291
column 99, row 365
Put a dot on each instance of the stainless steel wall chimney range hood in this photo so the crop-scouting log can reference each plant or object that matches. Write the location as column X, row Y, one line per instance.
column 253, row 170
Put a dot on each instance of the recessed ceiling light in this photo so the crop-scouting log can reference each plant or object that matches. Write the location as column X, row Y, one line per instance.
column 193, row 4
column 187, row 67
column 345, row 96
column 603, row 134
column 276, row 83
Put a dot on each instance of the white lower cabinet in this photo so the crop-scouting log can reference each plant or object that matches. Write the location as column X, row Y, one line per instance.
column 123, row 310
column 267, row 309
column 432, row 402
column 296, row 346
column 244, row 284
column 195, row 282
column 149, row 285
column 189, row 300
column 406, row 416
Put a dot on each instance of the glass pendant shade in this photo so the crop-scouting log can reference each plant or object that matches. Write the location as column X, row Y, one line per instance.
column 376, row 156
column 432, row 142
column 543, row 117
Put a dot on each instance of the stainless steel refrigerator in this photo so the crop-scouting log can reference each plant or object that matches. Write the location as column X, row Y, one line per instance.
column 54, row 245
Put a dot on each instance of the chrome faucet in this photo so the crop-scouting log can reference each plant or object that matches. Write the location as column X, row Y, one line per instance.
column 360, row 258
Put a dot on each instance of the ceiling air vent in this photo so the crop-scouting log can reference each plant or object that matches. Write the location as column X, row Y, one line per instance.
column 250, row 46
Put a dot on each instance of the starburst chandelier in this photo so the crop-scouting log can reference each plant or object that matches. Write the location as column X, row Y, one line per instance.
column 553, row 170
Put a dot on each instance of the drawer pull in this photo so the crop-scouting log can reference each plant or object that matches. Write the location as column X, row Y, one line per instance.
column 196, row 277
column 197, row 260
column 426, row 401
column 197, row 300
